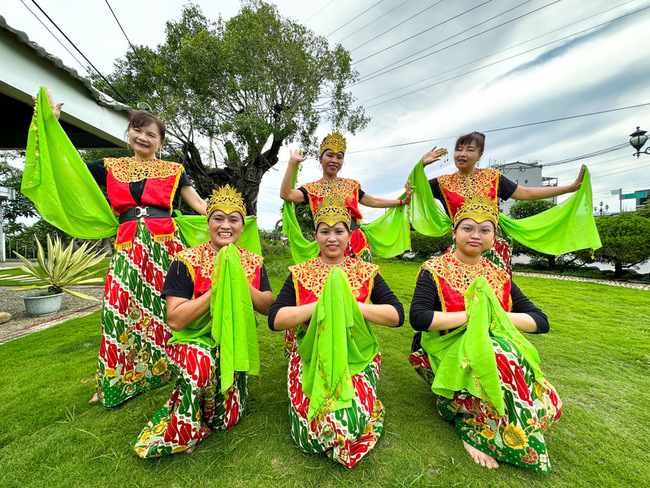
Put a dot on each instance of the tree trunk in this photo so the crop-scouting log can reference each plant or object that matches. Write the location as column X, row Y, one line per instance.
column 618, row 269
column 244, row 177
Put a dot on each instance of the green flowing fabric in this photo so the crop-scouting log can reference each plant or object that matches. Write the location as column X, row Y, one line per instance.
column 388, row 235
column 338, row 344
column 429, row 218
column 301, row 249
column 567, row 227
column 464, row 359
column 194, row 230
column 233, row 317
column 58, row 181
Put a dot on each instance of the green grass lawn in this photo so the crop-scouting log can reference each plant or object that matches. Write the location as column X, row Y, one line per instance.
column 597, row 355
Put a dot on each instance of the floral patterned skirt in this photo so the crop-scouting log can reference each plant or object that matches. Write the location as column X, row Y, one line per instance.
column 530, row 407
column 132, row 355
column 196, row 405
column 345, row 435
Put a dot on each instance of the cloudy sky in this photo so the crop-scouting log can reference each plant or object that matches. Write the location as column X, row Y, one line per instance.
column 500, row 67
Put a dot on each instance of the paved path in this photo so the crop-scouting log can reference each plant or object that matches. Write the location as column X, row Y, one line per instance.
column 22, row 324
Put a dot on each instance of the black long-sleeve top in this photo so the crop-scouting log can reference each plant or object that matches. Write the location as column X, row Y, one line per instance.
column 426, row 301
column 380, row 294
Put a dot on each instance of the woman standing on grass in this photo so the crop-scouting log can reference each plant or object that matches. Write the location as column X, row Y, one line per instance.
column 334, row 358
column 453, row 190
column 332, row 153
column 214, row 341
column 468, row 313
column 140, row 190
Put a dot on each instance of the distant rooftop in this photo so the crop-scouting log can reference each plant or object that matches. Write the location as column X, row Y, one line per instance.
column 91, row 118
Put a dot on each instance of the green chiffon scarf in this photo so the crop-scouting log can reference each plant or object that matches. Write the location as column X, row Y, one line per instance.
column 233, row 318
column 566, row 227
column 65, row 194
column 58, row 181
column 232, row 327
column 388, row 236
column 338, row 344
column 464, row 359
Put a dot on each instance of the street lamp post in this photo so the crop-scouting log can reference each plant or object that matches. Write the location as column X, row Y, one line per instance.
column 637, row 139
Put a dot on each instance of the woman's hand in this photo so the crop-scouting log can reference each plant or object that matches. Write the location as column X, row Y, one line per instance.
column 575, row 186
column 409, row 193
column 56, row 107
column 432, row 156
column 296, row 158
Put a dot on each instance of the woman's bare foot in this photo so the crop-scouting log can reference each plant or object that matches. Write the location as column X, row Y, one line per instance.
column 94, row 399
column 480, row 457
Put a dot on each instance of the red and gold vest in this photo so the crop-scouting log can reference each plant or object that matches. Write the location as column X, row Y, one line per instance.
column 456, row 188
column 348, row 190
column 162, row 179
column 200, row 264
column 309, row 278
column 453, row 277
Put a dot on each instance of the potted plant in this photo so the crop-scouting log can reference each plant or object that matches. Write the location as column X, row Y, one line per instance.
column 62, row 268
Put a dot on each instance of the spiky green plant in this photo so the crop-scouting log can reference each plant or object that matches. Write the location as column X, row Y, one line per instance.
column 62, row 267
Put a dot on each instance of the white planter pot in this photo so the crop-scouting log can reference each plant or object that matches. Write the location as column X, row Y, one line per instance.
column 42, row 303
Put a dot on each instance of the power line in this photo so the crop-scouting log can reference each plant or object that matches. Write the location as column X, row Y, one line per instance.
column 395, row 26
column 82, row 54
column 499, row 61
column 54, row 36
column 123, row 32
column 354, row 18
column 425, row 30
column 373, row 21
column 367, row 76
column 317, row 12
column 589, row 155
column 461, row 41
column 500, row 129
column 483, row 58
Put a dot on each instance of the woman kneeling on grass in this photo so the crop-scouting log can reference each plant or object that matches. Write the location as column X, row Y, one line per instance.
column 468, row 347
column 210, row 291
column 334, row 357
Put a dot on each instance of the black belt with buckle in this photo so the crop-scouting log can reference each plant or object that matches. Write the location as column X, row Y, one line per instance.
column 149, row 212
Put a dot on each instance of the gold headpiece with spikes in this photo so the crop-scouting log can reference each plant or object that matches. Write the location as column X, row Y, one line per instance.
column 335, row 142
column 226, row 199
column 478, row 208
column 331, row 210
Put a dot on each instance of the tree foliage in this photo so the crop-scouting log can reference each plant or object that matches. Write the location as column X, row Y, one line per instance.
column 246, row 86
column 428, row 246
column 528, row 208
column 626, row 241
column 644, row 211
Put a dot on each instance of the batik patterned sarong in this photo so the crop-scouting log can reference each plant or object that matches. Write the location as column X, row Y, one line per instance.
column 196, row 406
column 345, row 435
column 530, row 407
column 132, row 355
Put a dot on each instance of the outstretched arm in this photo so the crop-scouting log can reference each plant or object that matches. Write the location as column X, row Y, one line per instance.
column 193, row 199
column 370, row 201
column 286, row 192
column 541, row 192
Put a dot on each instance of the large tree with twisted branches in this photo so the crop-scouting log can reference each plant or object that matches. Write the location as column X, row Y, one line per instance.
column 233, row 92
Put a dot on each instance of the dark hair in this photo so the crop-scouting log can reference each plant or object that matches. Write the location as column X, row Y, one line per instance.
column 143, row 118
column 477, row 137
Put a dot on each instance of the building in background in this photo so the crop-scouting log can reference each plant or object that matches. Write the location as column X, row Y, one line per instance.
column 524, row 174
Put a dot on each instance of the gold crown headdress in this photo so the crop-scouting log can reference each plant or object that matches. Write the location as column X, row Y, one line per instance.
column 478, row 208
column 335, row 142
column 331, row 210
column 226, row 199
